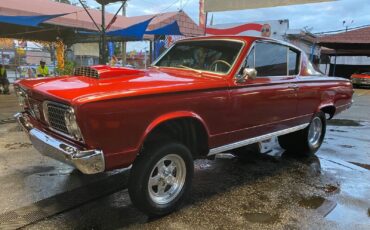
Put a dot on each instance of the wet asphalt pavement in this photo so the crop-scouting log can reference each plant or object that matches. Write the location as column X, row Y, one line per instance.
column 270, row 191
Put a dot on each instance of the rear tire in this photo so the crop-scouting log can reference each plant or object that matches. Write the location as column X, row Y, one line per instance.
column 306, row 142
column 161, row 178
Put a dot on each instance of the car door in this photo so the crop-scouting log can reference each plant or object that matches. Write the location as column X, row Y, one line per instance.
column 267, row 103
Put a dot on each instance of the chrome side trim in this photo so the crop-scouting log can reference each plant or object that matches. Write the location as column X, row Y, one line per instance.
column 255, row 139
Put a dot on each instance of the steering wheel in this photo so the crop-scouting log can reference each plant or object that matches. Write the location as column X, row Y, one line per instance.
column 219, row 61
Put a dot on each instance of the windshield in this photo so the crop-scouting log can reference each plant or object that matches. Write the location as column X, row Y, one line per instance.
column 208, row 55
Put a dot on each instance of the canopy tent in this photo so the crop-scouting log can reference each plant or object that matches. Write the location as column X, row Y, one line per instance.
column 33, row 21
column 65, row 26
column 134, row 32
column 222, row 5
column 170, row 29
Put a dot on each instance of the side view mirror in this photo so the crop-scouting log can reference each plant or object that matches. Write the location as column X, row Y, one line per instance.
column 247, row 73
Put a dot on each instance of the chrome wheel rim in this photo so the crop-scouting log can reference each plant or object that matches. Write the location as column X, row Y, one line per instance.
column 315, row 132
column 167, row 179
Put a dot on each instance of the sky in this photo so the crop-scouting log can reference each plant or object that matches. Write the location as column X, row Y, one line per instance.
column 318, row 17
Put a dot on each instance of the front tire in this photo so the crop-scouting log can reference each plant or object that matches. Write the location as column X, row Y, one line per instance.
column 161, row 177
column 306, row 142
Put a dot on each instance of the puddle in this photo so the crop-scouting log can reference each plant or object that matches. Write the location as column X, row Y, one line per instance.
column 347, row 146
column 7, row 121
column 349, row 215
column 264, row 218
column 17, row 146
column 320, row 204
column 329, row 188
column 343, row 122
column 365, row 166
column 313, row 202
column 338, row 131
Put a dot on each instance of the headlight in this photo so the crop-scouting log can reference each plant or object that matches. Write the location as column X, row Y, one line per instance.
column 21, row 95
column 36, row 111
column 71, row 123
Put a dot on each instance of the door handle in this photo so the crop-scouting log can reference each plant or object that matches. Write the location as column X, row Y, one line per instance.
column 293, row 86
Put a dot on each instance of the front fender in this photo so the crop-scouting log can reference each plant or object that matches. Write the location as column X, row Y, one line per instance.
column 171, row 116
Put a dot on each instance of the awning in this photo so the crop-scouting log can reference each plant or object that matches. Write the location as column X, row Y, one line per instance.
column 28, row 20
column 134, row 32
column 170, row 29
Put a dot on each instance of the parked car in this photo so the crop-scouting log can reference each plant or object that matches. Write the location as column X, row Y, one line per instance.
column 201, row 97
column 361, row 79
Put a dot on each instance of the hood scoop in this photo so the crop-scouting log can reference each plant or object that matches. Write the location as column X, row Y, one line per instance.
column 103, row 71
column 86, row 71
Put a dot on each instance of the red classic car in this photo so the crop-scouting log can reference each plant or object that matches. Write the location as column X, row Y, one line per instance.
column 361, row 79
column 202, row 97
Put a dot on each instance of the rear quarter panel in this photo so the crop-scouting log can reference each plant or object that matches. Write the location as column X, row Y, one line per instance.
column 317, row 92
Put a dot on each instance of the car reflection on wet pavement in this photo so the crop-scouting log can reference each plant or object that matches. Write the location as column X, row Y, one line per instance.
column 267, row 191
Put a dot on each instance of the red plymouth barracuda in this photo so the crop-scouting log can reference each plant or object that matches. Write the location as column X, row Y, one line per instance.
column 203, row 96
column 362, row 79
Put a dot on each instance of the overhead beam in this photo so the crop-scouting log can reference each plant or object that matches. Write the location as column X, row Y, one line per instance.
column 229, row 5
column 88, row 13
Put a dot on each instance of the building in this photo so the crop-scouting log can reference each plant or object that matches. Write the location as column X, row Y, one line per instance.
column 346, row 53
column 276, row 29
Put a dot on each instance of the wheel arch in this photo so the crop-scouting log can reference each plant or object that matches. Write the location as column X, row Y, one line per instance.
column 328, row 108
column 189, row 122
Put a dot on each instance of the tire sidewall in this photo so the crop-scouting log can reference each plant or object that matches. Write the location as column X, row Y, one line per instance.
column 143, row 169
column 314, row 148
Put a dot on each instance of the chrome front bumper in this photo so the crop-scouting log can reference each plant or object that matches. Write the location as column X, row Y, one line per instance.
column 87, row 161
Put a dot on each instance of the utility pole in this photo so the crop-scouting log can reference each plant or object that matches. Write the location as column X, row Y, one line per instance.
column 103, row 38
column 102, row 29
column 123, row 44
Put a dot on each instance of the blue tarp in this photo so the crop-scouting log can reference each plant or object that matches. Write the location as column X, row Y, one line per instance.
column 134, row 32
column 28, row 20
column 170, row 29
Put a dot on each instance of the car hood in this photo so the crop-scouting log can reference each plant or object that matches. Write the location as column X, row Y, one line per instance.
column 82, row 89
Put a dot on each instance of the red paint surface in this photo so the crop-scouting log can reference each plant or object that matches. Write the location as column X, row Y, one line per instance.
column 116, row 112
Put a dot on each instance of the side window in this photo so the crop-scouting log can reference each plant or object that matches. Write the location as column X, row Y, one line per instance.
column 293, row 66
column 271, row 59
column 250, row 59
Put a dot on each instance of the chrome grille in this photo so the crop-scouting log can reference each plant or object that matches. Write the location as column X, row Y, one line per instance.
column 86, row 71
column 55, row 117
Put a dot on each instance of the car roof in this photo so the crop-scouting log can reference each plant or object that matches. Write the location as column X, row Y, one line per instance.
column 242, row 38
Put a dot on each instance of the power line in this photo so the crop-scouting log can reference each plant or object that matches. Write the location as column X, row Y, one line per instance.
column 185, row 4
column 175, row 2
column 342, row 30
